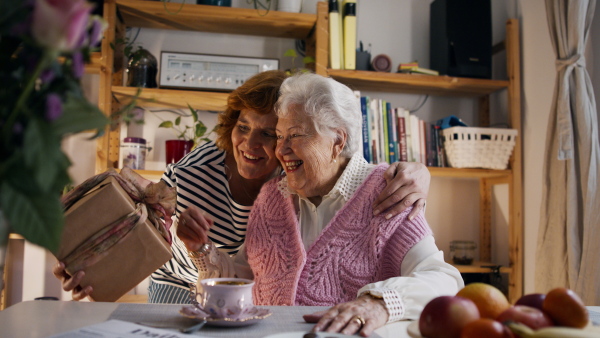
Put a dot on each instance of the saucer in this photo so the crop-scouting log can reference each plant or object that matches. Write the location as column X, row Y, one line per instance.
column 247, row 317
column 413, row 330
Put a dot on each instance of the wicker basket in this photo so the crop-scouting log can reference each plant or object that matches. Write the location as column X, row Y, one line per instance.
column 488, row 148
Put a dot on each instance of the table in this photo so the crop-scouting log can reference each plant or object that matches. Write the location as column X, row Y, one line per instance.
column 45, row 318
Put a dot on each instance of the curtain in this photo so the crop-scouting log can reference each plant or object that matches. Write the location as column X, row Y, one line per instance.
column 568, row 248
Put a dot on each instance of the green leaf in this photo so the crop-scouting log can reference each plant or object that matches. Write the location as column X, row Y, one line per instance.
column 37, row 217
column 290, row 52
column 178, row 120
column 194, row 113
column 43, row 154
column 166, row 124
column 200, row 129
column 79, row 115
column 308, row 59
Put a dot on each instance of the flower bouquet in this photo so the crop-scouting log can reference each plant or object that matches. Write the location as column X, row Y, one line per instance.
column 44, row 45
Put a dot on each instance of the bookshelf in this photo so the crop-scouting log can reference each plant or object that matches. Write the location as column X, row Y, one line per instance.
column 479, row 89
column 313, row 28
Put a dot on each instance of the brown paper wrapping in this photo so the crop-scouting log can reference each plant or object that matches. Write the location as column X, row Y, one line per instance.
column 128, row 262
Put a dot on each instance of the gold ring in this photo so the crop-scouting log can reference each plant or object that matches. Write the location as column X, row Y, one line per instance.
column 360, row 320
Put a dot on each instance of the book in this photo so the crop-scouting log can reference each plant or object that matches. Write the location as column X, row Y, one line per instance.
column 392, row 135
column 419, row 70
column 431, row 145
column 366, row 127
column 422, row 142
column 373, row 105
column 403, row 155
column 349, row 33
column 409, row 65
column 409, row 151
column 414, row 138
column 335, row 35
column 439, row 137
column 384, row 127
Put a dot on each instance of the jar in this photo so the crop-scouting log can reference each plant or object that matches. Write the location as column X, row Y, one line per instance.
column 462, row 252
column 142, row 69
column 133, row 152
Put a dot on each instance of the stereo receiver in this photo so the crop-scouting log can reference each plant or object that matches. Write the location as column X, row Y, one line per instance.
column 209, row 72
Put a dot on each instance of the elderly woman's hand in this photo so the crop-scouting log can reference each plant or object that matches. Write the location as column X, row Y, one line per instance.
column 71, row 283
column 346, row 317
column 407, row 184
column 193, row 228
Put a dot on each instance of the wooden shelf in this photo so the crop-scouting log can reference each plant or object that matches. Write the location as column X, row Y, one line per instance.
column 216, row 19
column 435, row 172
column 417, row 83
column 94, row 66
column 468, row 173
column 481, row 267
column 171, row 98
column 15, row 236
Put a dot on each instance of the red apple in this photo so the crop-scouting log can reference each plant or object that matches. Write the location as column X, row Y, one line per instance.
column 526, row 315
column 566, row 308
column 533, row 300
column 445, row 316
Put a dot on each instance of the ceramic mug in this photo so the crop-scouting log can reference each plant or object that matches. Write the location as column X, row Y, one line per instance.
column 225, row 297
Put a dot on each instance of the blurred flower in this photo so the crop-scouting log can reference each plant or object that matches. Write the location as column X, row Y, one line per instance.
column 43, row 45
column 60, row 24
column 54, row 107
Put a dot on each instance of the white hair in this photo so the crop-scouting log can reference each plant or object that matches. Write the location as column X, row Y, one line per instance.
column 328, row 103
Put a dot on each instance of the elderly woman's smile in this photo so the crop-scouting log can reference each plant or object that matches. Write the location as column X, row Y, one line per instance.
column 291, row 166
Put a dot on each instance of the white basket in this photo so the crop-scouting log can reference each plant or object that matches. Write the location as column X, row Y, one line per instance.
column 468, row 147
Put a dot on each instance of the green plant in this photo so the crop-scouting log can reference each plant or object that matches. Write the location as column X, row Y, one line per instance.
column 306, row 60
column 195, row 132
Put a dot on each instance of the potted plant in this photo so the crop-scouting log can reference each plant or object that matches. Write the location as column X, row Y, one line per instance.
column 308, row 61
column 188, row 136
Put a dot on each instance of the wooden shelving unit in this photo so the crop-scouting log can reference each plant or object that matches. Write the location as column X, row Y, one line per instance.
column 479, row 89
column 314, row 30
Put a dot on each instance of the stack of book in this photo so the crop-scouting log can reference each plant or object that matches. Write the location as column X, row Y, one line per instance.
column 413, row 67
column 394, row 134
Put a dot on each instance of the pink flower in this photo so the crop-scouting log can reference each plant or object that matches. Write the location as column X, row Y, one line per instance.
column 60, row 24
column 54, row 107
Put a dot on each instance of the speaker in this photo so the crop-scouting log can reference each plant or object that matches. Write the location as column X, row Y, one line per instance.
column 460, row 41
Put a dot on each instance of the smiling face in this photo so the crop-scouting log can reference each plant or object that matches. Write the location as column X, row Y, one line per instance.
column 254, row 139
column 307, row 156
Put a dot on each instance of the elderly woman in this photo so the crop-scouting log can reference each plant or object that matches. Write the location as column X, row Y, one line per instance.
column 218, row 182
column 312, row 238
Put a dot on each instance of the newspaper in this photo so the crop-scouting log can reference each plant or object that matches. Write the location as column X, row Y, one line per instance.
column 117, row 328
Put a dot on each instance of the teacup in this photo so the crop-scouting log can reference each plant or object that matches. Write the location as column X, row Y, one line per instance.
column 225, row 297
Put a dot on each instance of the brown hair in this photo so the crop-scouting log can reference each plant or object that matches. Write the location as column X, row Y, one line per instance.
column 258, row 93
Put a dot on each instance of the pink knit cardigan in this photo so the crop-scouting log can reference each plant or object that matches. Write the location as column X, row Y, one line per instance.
column 353, row 250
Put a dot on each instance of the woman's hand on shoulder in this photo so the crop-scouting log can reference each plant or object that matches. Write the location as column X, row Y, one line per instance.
column 193, row 228
column 407, row 184
column 71, row 283
column 346, row 318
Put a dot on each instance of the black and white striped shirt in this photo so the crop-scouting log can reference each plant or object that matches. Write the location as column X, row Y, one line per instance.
column 201, row 181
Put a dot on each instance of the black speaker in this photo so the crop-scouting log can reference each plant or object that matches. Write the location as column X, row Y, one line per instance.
column 460, row 41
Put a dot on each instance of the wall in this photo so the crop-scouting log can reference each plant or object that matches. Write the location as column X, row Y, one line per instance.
column 404, row 37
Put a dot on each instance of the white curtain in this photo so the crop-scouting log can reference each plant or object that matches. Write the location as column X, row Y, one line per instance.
column 568, row 250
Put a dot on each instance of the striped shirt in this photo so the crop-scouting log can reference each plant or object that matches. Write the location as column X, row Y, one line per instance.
column 201, row 181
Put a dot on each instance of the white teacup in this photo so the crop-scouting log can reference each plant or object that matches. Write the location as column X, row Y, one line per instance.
column 225, row 297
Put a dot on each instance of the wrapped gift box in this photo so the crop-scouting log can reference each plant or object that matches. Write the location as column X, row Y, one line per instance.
column 129, row 261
